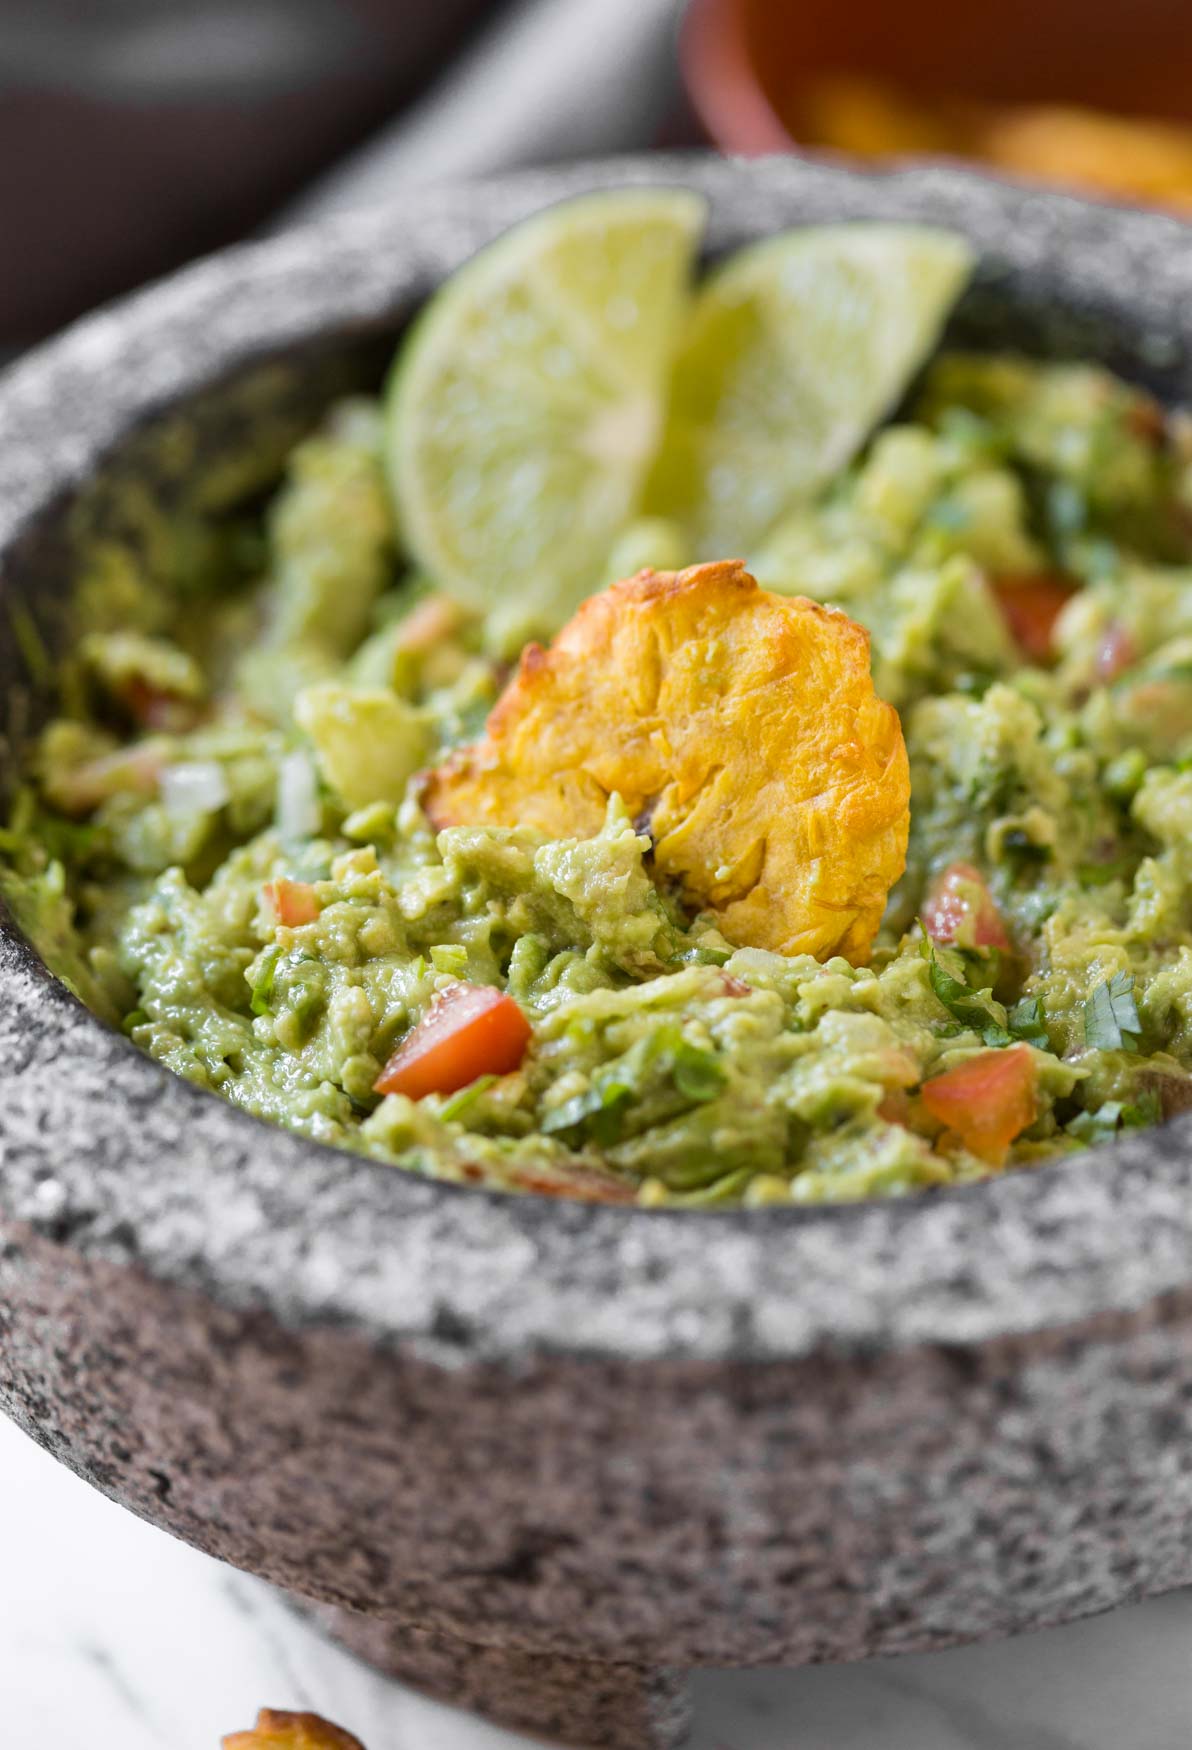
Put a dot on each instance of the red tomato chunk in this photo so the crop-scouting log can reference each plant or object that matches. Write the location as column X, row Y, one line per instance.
column 1031, row 605
column 987, row 1101
column 293, row 903
column 959, row 910
column 470, row 1030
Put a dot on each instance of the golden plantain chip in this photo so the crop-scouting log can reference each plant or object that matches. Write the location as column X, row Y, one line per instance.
column 741, row 730
column 283, row 1731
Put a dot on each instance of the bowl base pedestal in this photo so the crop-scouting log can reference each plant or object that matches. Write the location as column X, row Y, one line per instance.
column 574, row 1701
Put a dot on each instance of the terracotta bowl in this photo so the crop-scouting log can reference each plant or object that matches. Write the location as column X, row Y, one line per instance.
column 745, row 62
column 541, row 1455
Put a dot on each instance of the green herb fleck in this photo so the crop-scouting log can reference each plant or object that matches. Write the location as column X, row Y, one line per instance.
column 1111, row 1020
column 601, row 1109
column 261, row 982
column 1028, row 1022
column 976, row 1010
column 1115, row 1115
column 697, row 1074
column 666, row 1056
column 305, row 992
column 458, row 1104
column 1101, row 874
column 700, row 955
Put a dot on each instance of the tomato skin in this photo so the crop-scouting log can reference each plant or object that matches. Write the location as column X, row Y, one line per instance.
column 469, row 1030
column 1031, row 603
column 293, row 903
column 1115, row 653
column 959, row 910
column 986, row 1101
column 153, row 709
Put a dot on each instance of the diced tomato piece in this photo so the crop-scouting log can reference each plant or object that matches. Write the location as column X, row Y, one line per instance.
column 566, row 1179
column 959, row 910
column 1115, row 653
column 293, row 903
column 470, row 1030
column 987, row 1101
column 733, row 987
column 153, row 709
column 1031, row 604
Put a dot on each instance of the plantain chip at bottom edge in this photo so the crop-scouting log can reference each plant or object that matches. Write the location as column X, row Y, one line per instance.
column 740, row 729
column 276, row 1730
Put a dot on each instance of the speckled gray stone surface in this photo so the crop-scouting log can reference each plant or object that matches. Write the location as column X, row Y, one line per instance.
column 625, row 1435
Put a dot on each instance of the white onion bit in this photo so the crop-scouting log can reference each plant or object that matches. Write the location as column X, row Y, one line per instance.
column 193, row 787
column 298, row 812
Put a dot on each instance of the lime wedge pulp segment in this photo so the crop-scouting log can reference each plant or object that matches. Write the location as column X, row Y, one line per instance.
column 526, row 402
column 795, row 349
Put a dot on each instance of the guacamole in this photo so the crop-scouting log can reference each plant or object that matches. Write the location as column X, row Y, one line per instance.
column 220, row 845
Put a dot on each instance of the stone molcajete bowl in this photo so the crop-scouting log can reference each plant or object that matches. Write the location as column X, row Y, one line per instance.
column 535, row 1455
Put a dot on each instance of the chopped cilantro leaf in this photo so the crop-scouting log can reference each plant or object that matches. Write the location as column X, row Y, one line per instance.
column 601, row 1108
column 1027, row 1021
column 600, row 1111
column 1111, row 1020
column 458, row 1104
column 1114, row 1115
column 974, row 1009
column 696, row 1072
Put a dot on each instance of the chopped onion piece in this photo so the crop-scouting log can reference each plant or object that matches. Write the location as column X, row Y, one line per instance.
column 193, row 787
column 298, row 812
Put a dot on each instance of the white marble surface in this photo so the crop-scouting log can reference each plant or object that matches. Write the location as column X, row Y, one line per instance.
column 115, row 1637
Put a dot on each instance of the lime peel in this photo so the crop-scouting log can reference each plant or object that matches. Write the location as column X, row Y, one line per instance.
column 795, row 349
column 525, row 404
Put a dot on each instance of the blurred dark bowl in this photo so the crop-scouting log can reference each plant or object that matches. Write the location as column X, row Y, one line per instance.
column 745, row 62
column 138, row 133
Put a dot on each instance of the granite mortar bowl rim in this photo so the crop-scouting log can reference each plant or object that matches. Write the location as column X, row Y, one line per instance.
column 1051, row 1247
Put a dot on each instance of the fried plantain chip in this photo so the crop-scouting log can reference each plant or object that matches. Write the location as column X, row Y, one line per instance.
column 282, row 1731
column 742, row 732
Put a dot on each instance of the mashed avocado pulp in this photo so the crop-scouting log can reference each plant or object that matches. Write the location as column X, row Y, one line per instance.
column 1019, row 552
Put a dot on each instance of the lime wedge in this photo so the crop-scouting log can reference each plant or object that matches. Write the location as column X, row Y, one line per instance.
column 794, row 350
column 526, row 403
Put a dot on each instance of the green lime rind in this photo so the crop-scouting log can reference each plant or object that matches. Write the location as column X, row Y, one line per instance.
column 795, row 349
column 525, row 404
